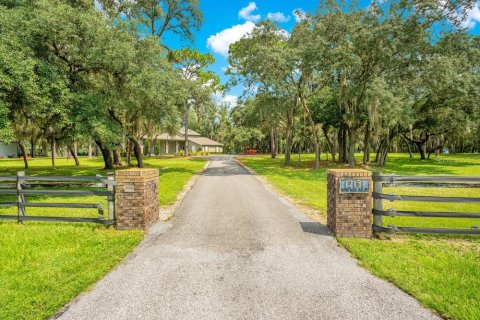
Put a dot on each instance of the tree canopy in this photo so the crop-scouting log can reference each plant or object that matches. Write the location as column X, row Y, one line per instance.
column 70, row 71
column 397, row 73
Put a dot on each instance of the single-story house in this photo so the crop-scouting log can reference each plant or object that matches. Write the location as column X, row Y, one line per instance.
column 8, row 150
column 173, row 144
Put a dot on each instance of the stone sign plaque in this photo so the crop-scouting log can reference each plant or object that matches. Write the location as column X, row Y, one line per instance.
column 352, row 185
column 129, row 188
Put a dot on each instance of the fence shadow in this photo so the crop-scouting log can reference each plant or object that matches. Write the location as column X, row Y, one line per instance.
column 316, row 228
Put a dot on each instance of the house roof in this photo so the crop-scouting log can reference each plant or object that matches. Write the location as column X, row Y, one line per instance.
column 189, row 131
column 166, row 136
column 193, row 136
column 205, row 141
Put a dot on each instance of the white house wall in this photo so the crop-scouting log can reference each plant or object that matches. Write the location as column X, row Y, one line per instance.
column 8, row 150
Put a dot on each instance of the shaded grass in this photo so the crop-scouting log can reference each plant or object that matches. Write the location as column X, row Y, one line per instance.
column 441, row 271
column 174, row 173
column 44, row 265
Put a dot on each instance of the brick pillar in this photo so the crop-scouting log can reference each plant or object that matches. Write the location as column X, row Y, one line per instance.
column 136, row 198
column 349, row 200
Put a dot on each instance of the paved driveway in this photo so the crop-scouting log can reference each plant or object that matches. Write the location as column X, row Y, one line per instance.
column 236, row 251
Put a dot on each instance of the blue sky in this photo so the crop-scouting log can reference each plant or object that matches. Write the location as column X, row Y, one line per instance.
column 227, row 20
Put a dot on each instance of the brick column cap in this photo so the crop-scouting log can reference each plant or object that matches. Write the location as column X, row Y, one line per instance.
column 349, row 172
column 139, row 172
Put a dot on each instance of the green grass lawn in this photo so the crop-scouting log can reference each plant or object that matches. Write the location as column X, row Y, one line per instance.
column 44, row 265
column 174, row 172
column 441, row 271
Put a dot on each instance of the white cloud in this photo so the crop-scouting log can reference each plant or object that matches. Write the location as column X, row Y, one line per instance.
column 221, row 41
column 246, row 13
column 299, row 14
column 284, row 33
column 278, row 16
column 473, row 17
column 229, row 99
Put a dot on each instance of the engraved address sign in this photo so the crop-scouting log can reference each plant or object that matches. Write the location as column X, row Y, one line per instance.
column 352, row 185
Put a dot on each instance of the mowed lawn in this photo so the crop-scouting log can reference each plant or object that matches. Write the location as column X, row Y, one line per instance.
column 44, row 265
column 441, row 271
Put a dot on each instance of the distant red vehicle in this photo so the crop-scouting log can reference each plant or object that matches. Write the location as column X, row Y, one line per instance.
column 249, row 151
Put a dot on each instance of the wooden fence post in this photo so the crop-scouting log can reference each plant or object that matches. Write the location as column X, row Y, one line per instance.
column 377, row 203
column 111, row 201
column 21, row 197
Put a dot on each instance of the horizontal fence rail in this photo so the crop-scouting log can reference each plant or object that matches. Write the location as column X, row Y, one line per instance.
column 22, row 181
column 379, row 196
column 59, row 192
column 396, row 213
column 70, row 179
column 56, row 219
column 430, row 179
column 397, row 197
column 395, row 229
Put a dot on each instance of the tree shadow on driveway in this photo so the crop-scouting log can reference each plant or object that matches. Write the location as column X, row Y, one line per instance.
column 316, row 228
column 227, row 170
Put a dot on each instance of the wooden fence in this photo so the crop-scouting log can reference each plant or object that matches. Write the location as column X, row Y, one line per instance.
column 21, row 186
column 436, row 181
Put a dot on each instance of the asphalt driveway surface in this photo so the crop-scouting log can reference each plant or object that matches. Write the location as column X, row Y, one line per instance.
column 234, row 250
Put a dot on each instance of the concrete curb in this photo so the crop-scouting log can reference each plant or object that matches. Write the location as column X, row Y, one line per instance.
column 166, row 213
column 306, row 210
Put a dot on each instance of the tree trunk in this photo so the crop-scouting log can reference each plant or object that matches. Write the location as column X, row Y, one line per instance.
column 288, row 143
column 342, row 142
column 32, row 147
column 351, row 149
column 334, row 145
column 71, row 149
column 383, row 155
column 437, row 151
column 54, row 152
column 317, row 156
column 106, row 154
column 89, row 148
column 288, row 151
column 422, row 148
column 277, row 142
column 273, row 144
column 186, row 131
column 366, row 145
column 137, row 151
column 45, row 148
column 129, row 153
column 316, row 137
column 330, row 142
column 153, row 143
column 117, row 157
column 341, row 154
column 24, row 153
column 75, row 148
